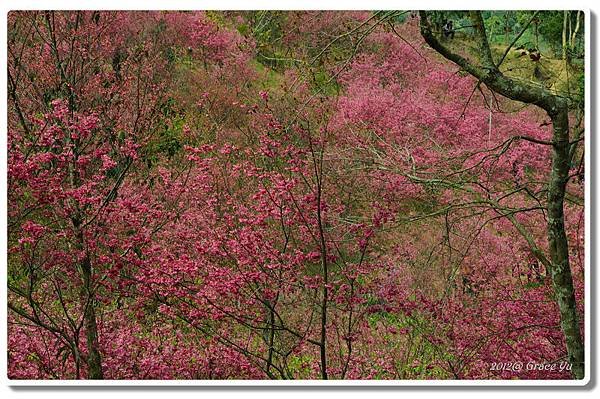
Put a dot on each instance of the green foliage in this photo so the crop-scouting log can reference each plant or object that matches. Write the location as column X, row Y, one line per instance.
column 299, row 366
column 270, row 78
column 168, row 141
column 544, row 31
column 266, row 29
column 324, row 84
column 422, row 355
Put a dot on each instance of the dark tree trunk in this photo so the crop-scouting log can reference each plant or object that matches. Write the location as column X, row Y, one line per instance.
column 557, row 240
column 88, row 300
column 94, row 360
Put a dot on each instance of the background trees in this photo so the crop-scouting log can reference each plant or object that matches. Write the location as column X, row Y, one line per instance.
column 291, row 195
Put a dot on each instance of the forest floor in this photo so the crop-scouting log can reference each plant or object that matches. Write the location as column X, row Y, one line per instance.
column 552, row 73
column 548, row 71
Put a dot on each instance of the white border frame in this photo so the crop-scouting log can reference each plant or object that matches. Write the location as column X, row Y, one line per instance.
column 290, row 5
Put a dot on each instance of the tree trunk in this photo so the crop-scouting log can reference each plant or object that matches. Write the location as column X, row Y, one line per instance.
column 575, row 31
column 325, row 293
column 94, row 360
column 557, row 239
column 565, row 43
